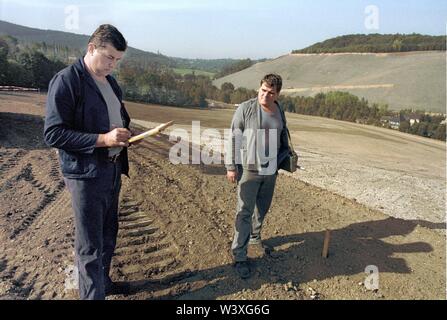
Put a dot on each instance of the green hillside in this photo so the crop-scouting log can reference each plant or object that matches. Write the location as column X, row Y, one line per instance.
column 378, row 43
column 401, row 80
column 32, row 35
column 62, row 45
column 74, row 44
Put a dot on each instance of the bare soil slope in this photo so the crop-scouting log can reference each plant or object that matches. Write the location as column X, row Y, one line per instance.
column 402, row 80
column 176, row 226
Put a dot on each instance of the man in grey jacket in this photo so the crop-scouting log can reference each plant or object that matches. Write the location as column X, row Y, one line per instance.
column 258, row 145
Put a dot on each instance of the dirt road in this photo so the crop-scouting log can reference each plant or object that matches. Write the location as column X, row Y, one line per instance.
column 176, row 224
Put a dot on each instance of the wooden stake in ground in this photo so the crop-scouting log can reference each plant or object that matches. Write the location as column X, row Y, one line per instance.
column 327, row 237
column 151, row 132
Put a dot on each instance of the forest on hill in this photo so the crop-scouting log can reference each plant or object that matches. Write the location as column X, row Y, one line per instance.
column 30, row 66
column 363, row 43
column 66, row 46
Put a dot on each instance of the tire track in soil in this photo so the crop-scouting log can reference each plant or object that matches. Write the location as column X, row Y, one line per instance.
column 9, row 160
column 25, row 269
column 208, row 206
column 48, row 189
column 36, row 269
column 61, row 250
column 145, row 255
column 153, row 253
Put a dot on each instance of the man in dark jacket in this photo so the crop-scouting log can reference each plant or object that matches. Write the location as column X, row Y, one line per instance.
column 259, row 145
column 88, row 124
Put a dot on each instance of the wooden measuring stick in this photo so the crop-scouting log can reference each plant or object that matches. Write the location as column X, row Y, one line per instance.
column 151, row 132
column 327, row 237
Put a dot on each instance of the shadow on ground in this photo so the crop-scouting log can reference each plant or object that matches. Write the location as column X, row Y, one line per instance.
column 297, row 258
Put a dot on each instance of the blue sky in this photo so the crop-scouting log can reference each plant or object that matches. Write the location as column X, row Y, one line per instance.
column 230, row 28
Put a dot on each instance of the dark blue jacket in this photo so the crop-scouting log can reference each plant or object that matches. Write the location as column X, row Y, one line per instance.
column 76, row 113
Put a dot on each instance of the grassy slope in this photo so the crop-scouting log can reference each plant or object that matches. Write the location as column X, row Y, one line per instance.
column 417, row 78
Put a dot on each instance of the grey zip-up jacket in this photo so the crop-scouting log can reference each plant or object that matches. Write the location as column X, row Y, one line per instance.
column 248, row 116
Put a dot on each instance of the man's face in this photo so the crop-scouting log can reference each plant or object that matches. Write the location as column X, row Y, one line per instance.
column 104, row 59
column 267, row 95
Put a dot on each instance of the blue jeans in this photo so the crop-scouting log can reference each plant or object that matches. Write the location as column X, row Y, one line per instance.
column 95, row 206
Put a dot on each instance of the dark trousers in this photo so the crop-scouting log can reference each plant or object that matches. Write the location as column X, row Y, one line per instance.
column 255, row 193
column 95, row 206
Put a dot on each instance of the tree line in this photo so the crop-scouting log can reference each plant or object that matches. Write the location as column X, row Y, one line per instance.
column 235, row 67
column 34, row 66
column 159, row 84
column 431, row 126
column 377, row 43
column 347, row 107
column 154, row 83
column 27, row 67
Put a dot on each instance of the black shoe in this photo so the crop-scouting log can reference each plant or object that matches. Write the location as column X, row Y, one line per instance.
column 242, row 269
column 117, row 288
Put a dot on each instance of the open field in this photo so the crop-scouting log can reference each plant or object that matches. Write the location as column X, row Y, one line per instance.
column 402, row 80
column 400, row 174
column 191, row 71
column 176, row 221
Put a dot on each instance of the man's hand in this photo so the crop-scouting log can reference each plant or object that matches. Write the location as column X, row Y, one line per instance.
column 116, row 138
column 231, row 176
column 135, row 142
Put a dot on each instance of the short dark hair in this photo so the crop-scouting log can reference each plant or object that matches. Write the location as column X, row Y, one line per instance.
column 273, row 80
column 108, row 34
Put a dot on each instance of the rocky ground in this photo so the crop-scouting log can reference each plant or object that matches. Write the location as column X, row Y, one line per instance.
column 176, row 224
